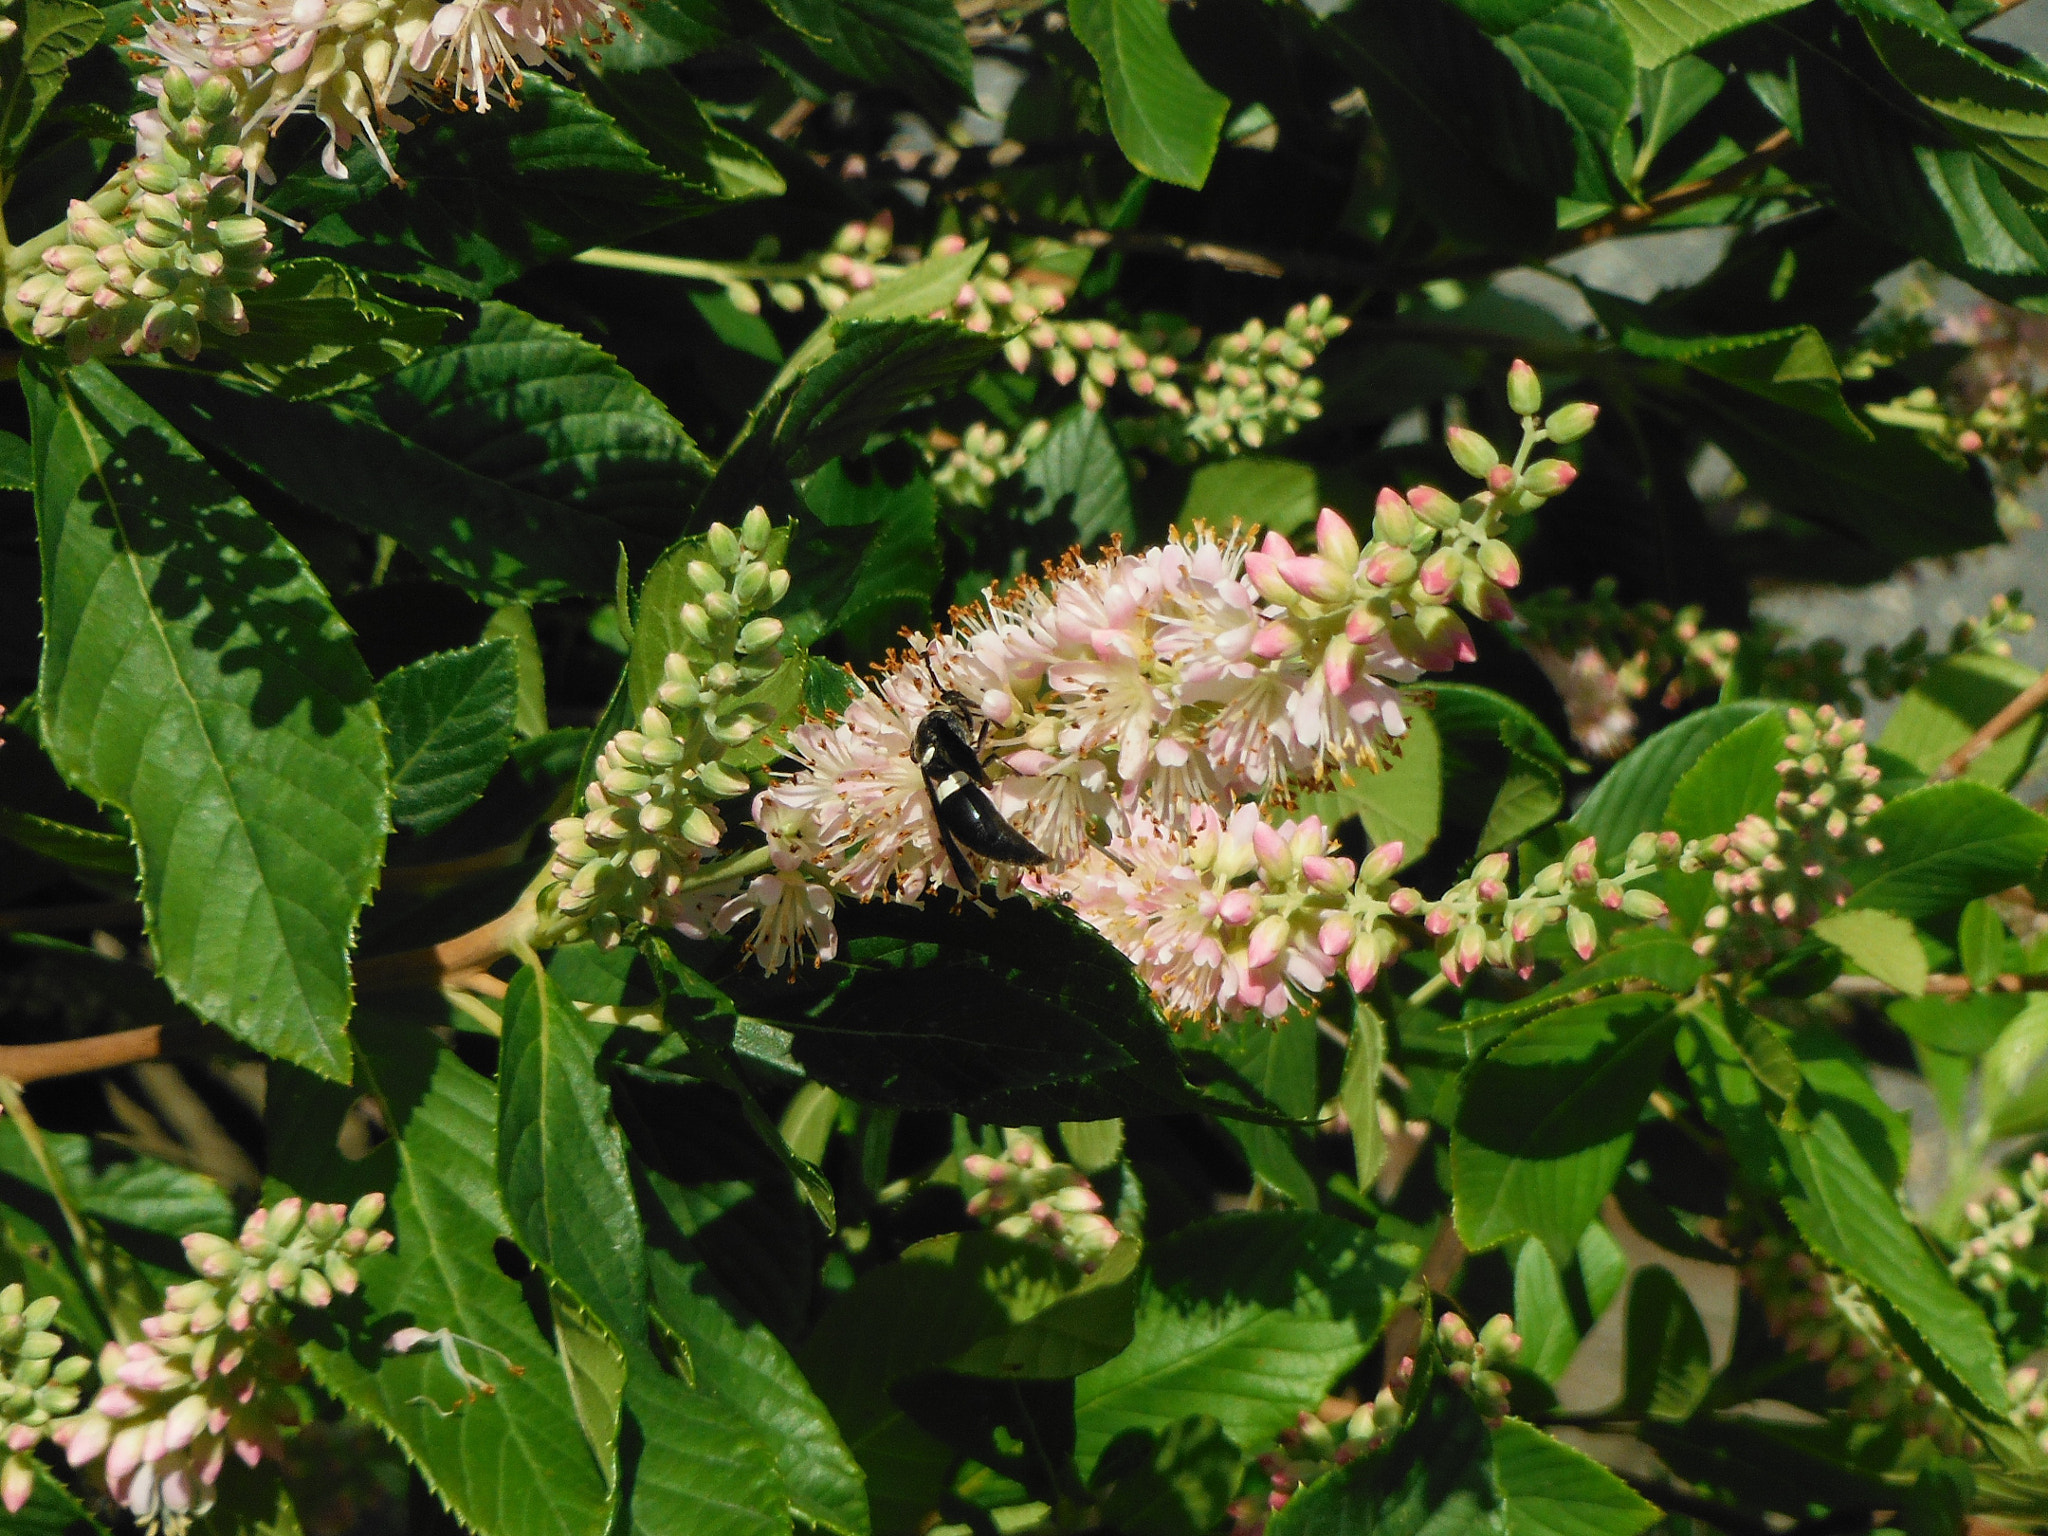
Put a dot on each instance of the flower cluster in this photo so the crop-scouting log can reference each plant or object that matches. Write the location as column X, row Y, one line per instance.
column 36, row 1388
column 1828, row 1318
column 2000, row 1227
column 209, row 1375
column 1026, row 1195
column 164, row 247
column 965, row 469
column 1253, row 386
column 2029, row 1397
column 347, row 63
column 1776, row 876
column 1339, row 1431
column 649, row 816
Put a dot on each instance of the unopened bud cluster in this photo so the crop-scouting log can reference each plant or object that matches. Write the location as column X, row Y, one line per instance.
column 37, row 1388
column 1479, row 921
column 2028, row 1394
column 1028, row 1196
column 211, row 1372
column 163, row 249
column 2000, row 1227
column 1775, row 877
column 1828, row 1318
column 2009, row 424
column 1339, row 1431
column 966, row 469
column 650, row 816
column 1429, row 555
column 1254, row 387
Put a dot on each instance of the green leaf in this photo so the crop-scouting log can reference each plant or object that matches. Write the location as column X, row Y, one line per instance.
column 1662, row 962
column 80, row 847
column 1945, row 708
column 735, row 1358
column 1436, row 1479
column 1669, row 1365
column 876, row 367
column 561, row 1162
column 1082, row 1326
column 1853, row 1221
column 1959, row 1026
column 1883, row 944
column 1177, row 1483
column 1632, row 796
column 1555, row 1310
column 1249, row 1319
column 2001, row 110
column 956, row 1298
column 1736, row 777
column 2015, row 1090
column 1403, row 803
column 1093, row 1145
column 450, row 721
column 893, row 584
column 1576, row 58
column 1672, row 96
column 512, row 1461
column 1791, row 367
column 692, row 1462
column 595, row 1367
column 1549, row 1489
column 34, row 61
column 667, row 32
column 195, row 675
column 1078, row 477
column 1946, row 845
column 1279, row 494
column 1166, row 118
column 320, row 327
column 1545, row 1120
column 914, row 45
column 17, row 468
column 1358, row 1091
column 487, row 197
column 1660, row 30
column 1271, row 1065
column 1497, row 754
column 513, row 462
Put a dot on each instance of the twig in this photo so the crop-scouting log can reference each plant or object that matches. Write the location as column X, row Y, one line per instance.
column 67, row 1058
column 1938, row 986
column 1730, row 179
column 1678, row 1502
column 2031, row 698
column 214, row 1152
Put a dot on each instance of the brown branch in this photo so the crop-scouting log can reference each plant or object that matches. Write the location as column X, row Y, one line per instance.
column 1938, row 986
column 95, row 1053
column 1627, row 220
column 2031, row 698
column 450, row 961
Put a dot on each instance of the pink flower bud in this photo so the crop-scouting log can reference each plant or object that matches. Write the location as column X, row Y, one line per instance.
column 1335, row 541
column 1389, row 567
column 1525, row 390
column 1315, row 578
column 1547, row 477
column 1275, row 640
column 1336, row 934
column 1393, row 520
column 1474, row 454
column 1264, row 572
column 1362, row 965
column 1435, row 508
column 1337, row 664
column 1266, row 943
column 1275, row 546
column 1237, row 907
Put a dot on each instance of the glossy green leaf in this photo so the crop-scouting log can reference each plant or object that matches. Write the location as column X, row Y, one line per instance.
column 195, row 675
column 897, row 574
column 1248, row 1319
column 450, row 721
column 1945, row 708
column 1166, row 118
column 511, row 1461
column 514, row 463
column 1882, row 944
column 875, row 368
column 1576, row 58
column 2002, row 110
column 1436, row 1479
column 594, row 1365
column 561, row 1162
column 1402, row 803
column 1545, row 1120
column 1946, row 845
column 17, row 467
column 1672, row 96
column 1736, row 777
column 1661, row 30
column 1358, row 1091
column 489, row 196
column 319, row 328
column 1549, row 1489
column 918, row 45
column 1632, row 797
column 746, row 1367
column 1279, row 494
column 34, row 60
column 1669, row 1366
column 1271, row 1065
column 1792, row 367
column 692, row 1462
column 80, row 847
column 1555, row 1309
column 1661, row 962
column 1078, row 478
column 1176, row 1483
column 1855, row 1222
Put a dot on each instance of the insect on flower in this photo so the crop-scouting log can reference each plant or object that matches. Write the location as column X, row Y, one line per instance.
column 948, row 749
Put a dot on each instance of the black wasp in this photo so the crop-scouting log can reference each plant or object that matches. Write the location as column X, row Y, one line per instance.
column 948, row 749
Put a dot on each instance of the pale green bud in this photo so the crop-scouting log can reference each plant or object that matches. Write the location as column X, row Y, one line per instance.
column 755, row 530
column 1474, row 453
column 1569, row 423
column 1525, row 390
column 724, row 545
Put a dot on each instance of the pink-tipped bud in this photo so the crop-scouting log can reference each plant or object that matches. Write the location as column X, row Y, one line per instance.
column 1267, row 940
column 1499, row 563
column 1569, row 423
column 1335, row 936
column 1475, row 455
column 1264, row 572
column 1393, row 520
column 1499, row 478
column 1547, row 477
column 1274, row 546
column 1435, row 508
column 1335, row 541
column 1525, row 390
column 1237, row 907
column 1440, row 572
column 1583, row 933
column 1362, row 965
column 1337, row 665
column 1381, row 863
column 1316, row 578
column 1389, row 567
column 1276, row 640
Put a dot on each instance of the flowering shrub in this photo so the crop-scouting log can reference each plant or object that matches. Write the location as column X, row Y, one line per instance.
column 914, row 768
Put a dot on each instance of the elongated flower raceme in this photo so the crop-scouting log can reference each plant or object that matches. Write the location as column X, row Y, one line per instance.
column 37, row 1388
column 209, row 1376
